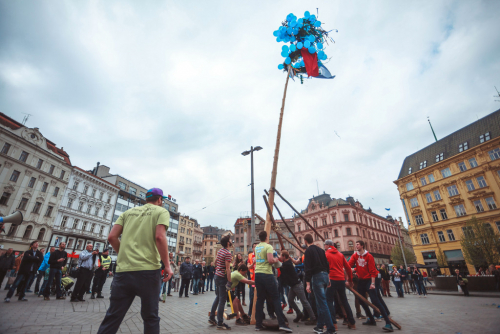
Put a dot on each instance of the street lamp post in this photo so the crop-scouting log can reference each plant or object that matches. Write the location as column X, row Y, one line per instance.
column 252, row 226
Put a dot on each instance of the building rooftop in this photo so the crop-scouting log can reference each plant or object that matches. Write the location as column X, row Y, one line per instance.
column 15, row 125
column 97, row 177
column 449, row 145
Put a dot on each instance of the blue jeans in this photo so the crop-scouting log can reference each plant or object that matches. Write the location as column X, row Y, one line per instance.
column 210, row 281
column 399, row 288
column 220, row 299
column 54, row 273
column 319, row 285
column 420, row 287
column 21, row 281
column 250, row 305
column 42, row 289
column 267, row 286
column 339, row 287
column 195, row 284
column 363, row 288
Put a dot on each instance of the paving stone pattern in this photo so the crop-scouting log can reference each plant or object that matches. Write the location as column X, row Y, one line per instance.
column 435, row 314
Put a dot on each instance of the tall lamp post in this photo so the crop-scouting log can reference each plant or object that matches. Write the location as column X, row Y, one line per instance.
column 252, row 226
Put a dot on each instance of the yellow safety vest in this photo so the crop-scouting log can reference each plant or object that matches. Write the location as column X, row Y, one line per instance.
column 105, row 262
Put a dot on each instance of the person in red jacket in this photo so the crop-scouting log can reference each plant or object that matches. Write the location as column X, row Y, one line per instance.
column 338, row 264
column 367, row 272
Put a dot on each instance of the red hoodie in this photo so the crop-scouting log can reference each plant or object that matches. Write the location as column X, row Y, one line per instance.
column 365, row 265
column 338, row 263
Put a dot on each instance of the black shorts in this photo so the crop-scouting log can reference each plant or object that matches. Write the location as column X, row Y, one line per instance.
column 232, row 296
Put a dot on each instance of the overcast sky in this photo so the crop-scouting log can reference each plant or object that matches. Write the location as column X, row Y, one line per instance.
column 168, row 94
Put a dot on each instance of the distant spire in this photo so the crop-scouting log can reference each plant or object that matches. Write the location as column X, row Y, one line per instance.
column 432, row 128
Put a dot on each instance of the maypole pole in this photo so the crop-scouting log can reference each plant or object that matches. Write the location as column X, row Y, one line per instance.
column 274, row 173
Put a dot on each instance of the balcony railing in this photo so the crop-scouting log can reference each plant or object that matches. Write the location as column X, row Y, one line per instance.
column 197, row 243
column 80, row 232
column 197, row 252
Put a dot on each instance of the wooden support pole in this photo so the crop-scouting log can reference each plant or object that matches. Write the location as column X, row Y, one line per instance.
column 298, row 213
column 267, row 226
column 291, row 242
column 283, row 220
column 273, row 222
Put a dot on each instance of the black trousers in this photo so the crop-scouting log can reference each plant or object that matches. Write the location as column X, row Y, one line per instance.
column 99, row 280
column 39, row 277
column 126, row 286
column 184, row 286
column 82, row 283
column 3, row 272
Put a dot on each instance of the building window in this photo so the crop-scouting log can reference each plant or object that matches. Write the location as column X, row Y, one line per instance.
column 451, row 236
column 89, row 207
column 142, row 195
column 490, row 201
column 434, row 216
column 92, row 228
column 39, row 164
column 462, row 166
column 346, row 217
column 84, row 226
column 472, row 162
column 132, row 190
column 75, row 223
column 494, row 154
column 431, row 178
column 80, row 206
column 441, row 236
column 27, row 232
column 460, row 210
column 324, row 222
column 452, row 190
column 75, row 185
column 62, row 174
column 479, row 206
column 462, row 147
column 350, row 244
column 51, row 169
column 70, row 203
column 485, row 137
column 413, row 202
column 15, row 176
column 481, row 182
column 425, row 238
column 41, row 234
column 334, row 219
column 31, row 184
column 445, row 172
column 105, row 214
column 85, row 189
column 6, row 148
column 348, row 231
column 44, row 187
column 22, row 204
column 37, row 207
column 409, row 186
column 467, row 230
column 122, row 185
column 419, row 220
column 100, row 195
column 56, row 191
column 5, row 198
column 423, row 181
column 64, row 221
column 470, row 185
column 423, row 164
column 444, row 216
column 23, row 156
column 49, row 211
column 437, row 195
column 498, row 226
column 439, row 157
column 93, row 192
column 96, row 212
column 336, row 233
column 428, row 197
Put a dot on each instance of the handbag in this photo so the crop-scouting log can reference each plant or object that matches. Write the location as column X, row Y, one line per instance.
column 11, row 280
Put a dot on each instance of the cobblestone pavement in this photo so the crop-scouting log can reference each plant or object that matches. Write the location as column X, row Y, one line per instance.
column 435, row 314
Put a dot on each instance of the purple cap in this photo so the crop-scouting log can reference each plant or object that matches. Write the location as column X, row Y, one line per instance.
column 155, row 192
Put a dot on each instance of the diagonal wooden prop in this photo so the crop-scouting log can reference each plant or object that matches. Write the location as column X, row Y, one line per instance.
column 283, row 220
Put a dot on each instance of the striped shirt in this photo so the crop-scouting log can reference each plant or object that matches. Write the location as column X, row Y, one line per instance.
column 223, row 255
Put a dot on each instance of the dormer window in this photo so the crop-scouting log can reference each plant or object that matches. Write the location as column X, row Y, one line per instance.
column 439, row 157
column 409, row 170
column 423, row 164
column 462, row 147
column 485, row 137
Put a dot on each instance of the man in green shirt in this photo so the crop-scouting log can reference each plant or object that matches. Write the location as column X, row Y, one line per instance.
column 266, row 284
column 143, row 244
column 238, row 276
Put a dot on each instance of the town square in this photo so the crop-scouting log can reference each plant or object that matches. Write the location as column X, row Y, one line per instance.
column 192, row 167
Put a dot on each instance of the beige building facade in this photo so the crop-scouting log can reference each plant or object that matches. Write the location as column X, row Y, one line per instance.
column 33, row 176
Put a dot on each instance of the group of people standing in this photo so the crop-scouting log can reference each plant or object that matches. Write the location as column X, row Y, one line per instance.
column 408, row 281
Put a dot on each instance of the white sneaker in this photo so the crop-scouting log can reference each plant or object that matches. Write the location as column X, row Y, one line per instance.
column 7, row 300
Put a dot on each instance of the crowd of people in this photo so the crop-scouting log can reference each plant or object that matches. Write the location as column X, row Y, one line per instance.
column 144, row 268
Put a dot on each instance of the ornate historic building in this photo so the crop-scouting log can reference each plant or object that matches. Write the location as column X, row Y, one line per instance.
column 86, row 212
column 240, row 226
column 33, row 176
column 186, row 238
column 211, row 236
column 447, row 183
column 344, row 222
